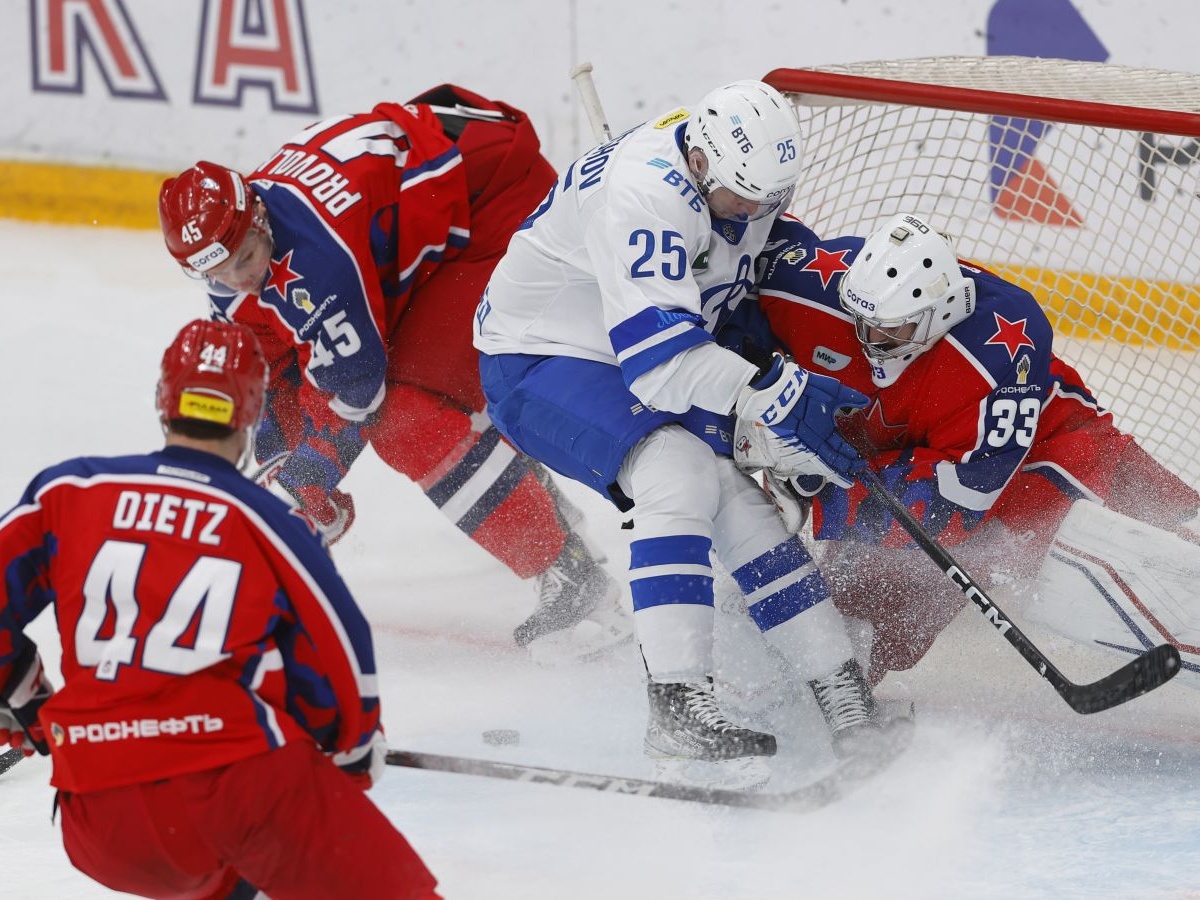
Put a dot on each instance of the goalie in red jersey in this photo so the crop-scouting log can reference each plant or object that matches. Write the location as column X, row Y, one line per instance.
column 985, row 434
column 358, row 253
column 217, row 672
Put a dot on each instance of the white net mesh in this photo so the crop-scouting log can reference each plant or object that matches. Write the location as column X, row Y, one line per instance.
column 1100, row 221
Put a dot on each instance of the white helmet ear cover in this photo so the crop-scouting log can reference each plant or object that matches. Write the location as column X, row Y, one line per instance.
column 906, row 273
column 751, row 139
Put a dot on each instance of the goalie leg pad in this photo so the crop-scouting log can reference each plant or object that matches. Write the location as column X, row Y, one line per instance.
column 1113, row 582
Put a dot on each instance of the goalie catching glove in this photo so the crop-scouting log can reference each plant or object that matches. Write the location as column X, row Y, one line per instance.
column 787, row 423
column 26, row 691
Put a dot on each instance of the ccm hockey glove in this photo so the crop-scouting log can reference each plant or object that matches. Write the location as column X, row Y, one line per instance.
column 787, row 422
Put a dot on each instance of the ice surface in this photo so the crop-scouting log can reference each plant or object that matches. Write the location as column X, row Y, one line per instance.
column 1005, row 792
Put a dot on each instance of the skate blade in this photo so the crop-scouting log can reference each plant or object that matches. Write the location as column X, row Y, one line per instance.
column 749, row 773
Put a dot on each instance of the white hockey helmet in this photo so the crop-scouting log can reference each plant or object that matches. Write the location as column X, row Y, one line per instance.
column 751, row 138
column 905, row 290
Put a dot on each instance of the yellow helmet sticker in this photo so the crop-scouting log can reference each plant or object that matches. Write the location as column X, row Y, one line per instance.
column 209, row 407
column 672, row 118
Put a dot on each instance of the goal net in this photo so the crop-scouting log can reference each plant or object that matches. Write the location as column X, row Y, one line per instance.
column 1072, row 179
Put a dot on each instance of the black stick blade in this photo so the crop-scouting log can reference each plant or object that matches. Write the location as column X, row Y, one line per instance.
column 1150, row 670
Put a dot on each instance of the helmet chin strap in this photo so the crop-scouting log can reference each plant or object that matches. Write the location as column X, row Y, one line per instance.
column 246, row 458
column 704, row 182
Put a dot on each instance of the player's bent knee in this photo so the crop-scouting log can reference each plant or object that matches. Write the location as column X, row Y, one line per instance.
column 672, row 475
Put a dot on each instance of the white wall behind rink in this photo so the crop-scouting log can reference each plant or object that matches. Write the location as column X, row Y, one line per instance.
column 648, row 57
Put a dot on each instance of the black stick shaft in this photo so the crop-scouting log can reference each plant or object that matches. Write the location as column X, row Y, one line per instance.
column 10, row 758
column 1156, row 667
column 816, row 794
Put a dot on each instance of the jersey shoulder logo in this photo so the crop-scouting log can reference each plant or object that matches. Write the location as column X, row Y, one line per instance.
column 282, row 275
column 302, row 301
column 1011, row 335
column 827, row 264
column 1023, row 368
column 830, row 360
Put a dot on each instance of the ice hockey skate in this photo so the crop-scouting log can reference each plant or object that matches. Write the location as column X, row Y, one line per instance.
column 579, row 612
column 867, row 734
column 693, row 741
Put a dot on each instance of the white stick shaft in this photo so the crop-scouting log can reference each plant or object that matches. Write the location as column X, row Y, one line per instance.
column 582, row 76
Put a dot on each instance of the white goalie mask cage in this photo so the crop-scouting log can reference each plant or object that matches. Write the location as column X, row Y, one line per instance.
column 905, row 275
column 751, row 138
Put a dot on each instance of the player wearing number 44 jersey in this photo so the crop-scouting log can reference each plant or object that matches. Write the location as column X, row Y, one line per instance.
column 973, row 422
column 216, row 670
column 357, row 253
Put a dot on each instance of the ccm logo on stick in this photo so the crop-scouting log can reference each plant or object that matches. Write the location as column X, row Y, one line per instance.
column 959, row 577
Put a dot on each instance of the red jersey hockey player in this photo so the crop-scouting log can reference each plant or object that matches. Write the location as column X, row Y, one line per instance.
column 984, row 433
column 358, row 253
column 212, row 659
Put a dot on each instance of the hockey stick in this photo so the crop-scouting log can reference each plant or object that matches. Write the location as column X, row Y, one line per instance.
column 811, row 796
column 10, row 758
column 582, row 76
column 1152, row 669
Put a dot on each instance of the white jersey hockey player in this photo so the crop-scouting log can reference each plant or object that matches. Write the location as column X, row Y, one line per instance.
column 598, row 358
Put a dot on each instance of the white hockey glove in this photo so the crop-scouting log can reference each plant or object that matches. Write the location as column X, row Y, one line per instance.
column 365, row 763
column 786, row 422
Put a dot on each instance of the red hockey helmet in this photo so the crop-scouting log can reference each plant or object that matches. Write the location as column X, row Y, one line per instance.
column 205, row 213
column 213, row 372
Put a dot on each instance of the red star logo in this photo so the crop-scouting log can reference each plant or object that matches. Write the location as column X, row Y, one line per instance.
column 282, row 275
column 870, row 432
column 1011, row 334
column 827, row 264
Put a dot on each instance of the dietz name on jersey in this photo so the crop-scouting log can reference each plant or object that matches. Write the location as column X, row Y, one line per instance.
column 326, row 185
column 168, row 514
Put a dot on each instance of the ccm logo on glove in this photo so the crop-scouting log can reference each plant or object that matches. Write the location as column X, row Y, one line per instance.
column 784, row 399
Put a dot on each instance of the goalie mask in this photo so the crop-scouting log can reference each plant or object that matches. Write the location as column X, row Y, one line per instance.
column 751, row 140
column 213, row 372
column 905, row 290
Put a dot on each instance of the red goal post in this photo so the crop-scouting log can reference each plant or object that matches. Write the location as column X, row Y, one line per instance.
column 1074, row 179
